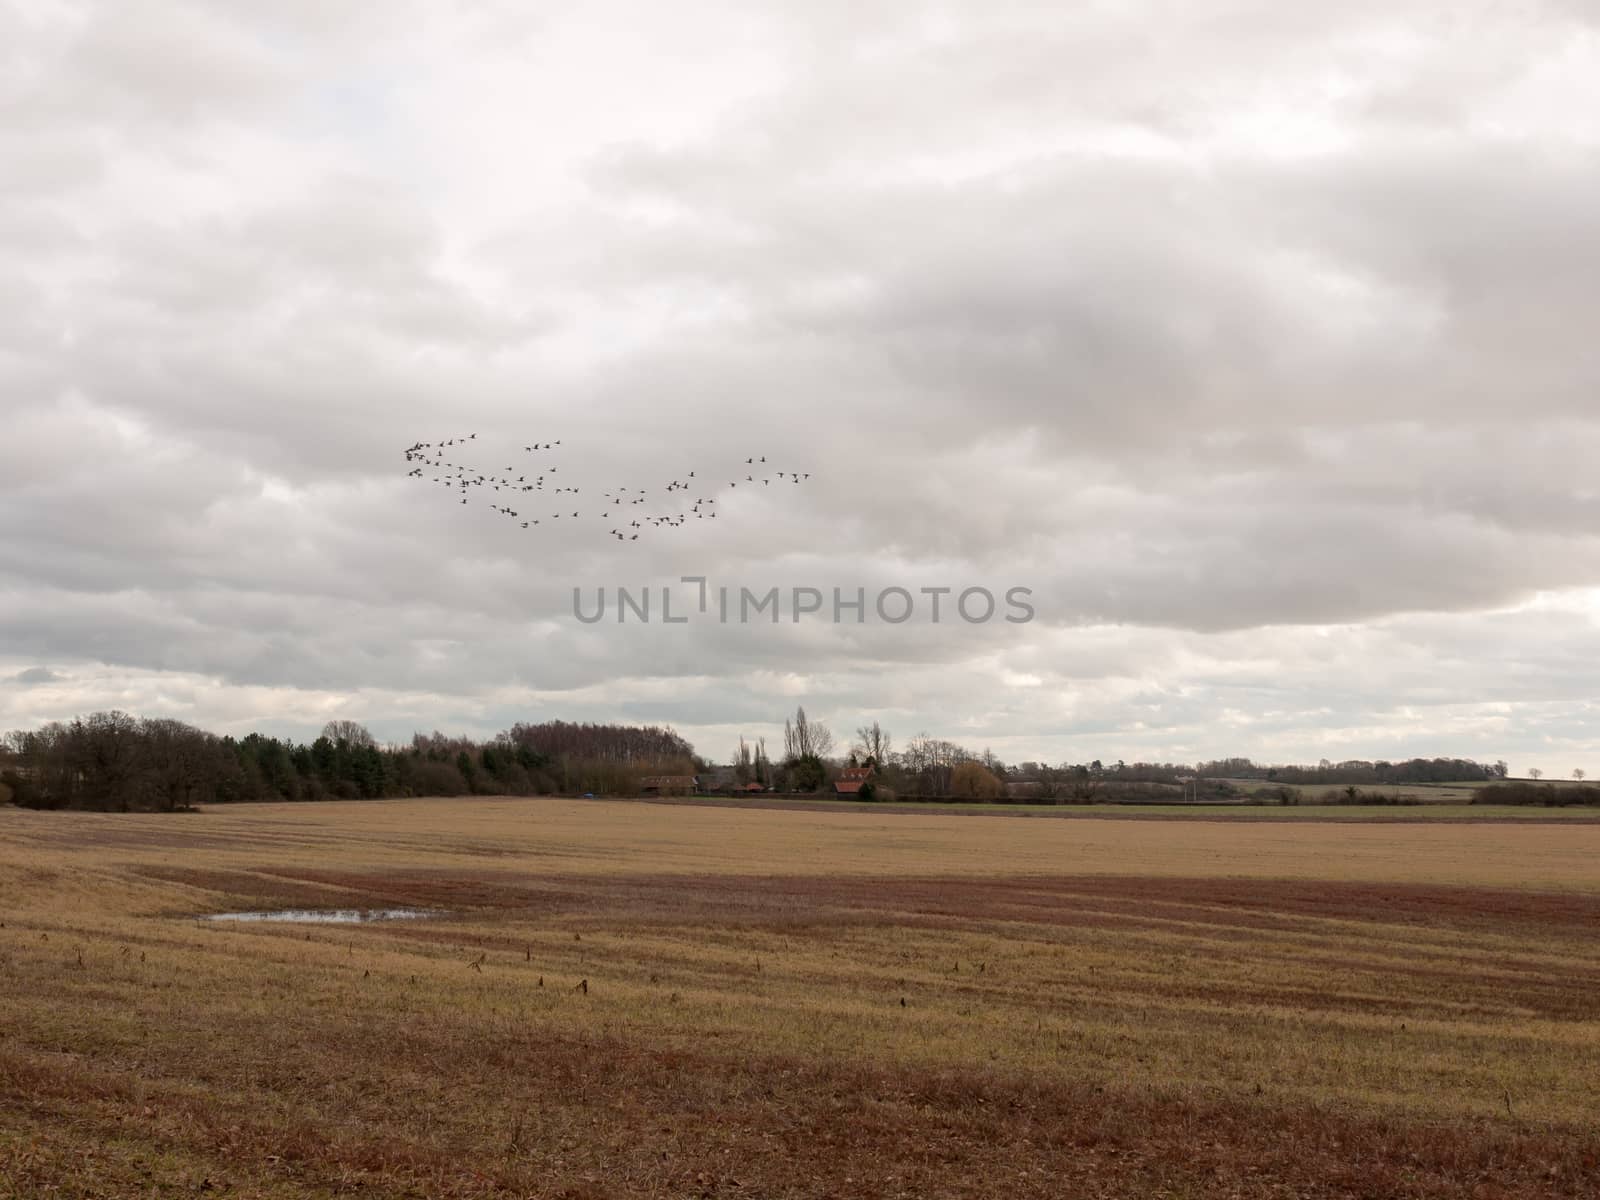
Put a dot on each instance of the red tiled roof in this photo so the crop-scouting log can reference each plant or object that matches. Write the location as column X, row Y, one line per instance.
column 848, row 786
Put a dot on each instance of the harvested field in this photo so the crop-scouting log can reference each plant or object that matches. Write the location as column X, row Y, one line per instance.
column 670, row 1000
column 1429, row 811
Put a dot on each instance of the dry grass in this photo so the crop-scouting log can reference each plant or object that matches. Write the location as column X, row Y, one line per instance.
column 796, row 1004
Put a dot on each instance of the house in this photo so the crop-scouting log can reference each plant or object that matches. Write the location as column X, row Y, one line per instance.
column 669, row 785
column 725, row 781
column 851, row 780
column 719, row 779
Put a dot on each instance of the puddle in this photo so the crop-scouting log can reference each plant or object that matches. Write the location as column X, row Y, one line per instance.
column 327, row 916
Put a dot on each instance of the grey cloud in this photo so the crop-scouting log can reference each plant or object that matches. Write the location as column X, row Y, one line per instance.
column 1269, row 324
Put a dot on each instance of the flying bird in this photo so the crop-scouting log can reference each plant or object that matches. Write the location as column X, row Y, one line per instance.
column 681, row 507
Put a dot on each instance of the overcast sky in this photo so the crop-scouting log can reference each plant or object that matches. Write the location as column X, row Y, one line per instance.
column 1258, row 340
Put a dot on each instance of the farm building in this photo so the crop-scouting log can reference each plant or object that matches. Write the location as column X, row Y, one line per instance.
column 851, row 780
column 718, row 779
column 725, row 780
column 669, row 785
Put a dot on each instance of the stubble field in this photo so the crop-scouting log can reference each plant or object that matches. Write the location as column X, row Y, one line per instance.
column 673, row 1000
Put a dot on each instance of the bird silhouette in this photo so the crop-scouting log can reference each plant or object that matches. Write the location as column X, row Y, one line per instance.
column 680, row 506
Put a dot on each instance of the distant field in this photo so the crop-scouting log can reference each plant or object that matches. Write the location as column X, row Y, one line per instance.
column 673, row 999
column 1429, row 811
column 1423, row 793
column 1426, row 793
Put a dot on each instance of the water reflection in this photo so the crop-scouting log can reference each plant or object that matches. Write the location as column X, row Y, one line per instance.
column 327, row 916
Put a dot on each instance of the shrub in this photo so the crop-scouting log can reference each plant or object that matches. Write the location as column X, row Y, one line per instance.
column 437, row 779
column 1354, row 795
column 13, row 789
column 806, row 773
column 975, row 781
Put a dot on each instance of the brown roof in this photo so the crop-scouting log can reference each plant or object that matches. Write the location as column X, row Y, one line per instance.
column 848, row 787
column 855, row 773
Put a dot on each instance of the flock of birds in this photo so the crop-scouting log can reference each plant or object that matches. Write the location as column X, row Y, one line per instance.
column 521, row 492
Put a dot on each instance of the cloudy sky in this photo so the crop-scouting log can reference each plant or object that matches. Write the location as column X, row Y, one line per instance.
column 1258, row 340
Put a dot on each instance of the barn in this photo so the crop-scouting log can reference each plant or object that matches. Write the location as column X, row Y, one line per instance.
column 851, row 781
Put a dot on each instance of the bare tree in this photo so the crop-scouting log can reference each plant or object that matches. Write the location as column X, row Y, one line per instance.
column 353, row 733
column 106, row 748
column 874, row 744
column 1577, row 774
column 933, row 761
column 1535, row 773
column 180, row 764
column 805, row 738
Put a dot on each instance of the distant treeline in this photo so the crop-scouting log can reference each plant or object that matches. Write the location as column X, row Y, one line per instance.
column 1548, row 794
column 1360, row 771
column 110, row 760
column 117, row 762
